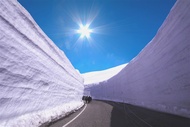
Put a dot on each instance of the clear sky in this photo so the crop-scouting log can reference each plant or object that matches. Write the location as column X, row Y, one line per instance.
column 118, row 29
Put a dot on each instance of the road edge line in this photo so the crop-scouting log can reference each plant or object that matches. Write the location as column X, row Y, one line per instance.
column 75, row 117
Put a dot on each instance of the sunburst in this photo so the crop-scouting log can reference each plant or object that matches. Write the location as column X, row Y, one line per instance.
column 84, row 31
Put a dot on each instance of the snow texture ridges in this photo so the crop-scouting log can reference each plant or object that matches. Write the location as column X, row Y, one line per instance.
column 159, row 76
column 35, row 75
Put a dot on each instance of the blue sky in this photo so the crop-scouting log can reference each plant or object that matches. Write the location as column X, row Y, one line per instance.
column 120, row 28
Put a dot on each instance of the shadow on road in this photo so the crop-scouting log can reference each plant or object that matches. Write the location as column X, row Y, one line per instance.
column 100, row 113
column 125, row 115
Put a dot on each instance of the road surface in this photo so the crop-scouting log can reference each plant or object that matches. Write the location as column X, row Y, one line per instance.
column 112, row 114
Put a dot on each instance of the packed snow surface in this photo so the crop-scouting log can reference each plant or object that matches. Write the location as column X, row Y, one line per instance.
column 37, row 81
column 159, row 76
column 98, row 76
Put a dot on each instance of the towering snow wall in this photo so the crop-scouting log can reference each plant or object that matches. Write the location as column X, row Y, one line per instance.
column 159, row 77
column 35, row 76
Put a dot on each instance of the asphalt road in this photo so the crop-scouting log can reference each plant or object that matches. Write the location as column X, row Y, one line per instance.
column 112, row 114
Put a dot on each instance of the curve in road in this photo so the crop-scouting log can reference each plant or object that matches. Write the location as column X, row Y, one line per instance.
column 113, row 114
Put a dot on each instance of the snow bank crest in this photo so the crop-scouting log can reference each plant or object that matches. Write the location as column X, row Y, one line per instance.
column 99, row 76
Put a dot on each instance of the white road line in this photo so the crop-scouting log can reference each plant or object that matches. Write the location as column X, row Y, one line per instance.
column 75, row 117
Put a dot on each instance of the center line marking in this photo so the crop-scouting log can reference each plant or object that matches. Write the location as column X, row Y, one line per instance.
column 75, row 117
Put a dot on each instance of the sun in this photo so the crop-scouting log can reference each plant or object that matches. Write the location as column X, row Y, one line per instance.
column 84, row 31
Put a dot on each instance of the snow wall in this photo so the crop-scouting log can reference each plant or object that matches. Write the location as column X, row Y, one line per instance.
column 98, row 76
column 159, row 77
column 37, row 81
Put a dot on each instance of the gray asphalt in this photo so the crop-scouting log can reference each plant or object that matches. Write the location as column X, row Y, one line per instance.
column 112, row 114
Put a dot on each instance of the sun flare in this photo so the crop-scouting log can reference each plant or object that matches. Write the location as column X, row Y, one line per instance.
column 84, row 31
